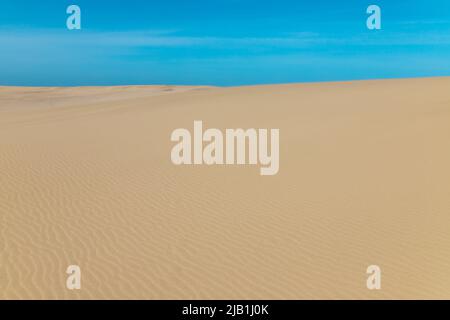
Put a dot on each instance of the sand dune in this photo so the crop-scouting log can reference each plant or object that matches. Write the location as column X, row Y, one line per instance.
column 86, row 179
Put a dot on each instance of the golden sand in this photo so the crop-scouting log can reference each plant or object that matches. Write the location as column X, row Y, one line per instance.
column 364, row 178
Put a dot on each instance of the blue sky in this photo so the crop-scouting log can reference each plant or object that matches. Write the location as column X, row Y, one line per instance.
column 220, row 42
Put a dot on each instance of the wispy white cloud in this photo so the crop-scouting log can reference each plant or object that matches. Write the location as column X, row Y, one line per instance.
column 423, row 22
column 143, row 38
column 22, row 38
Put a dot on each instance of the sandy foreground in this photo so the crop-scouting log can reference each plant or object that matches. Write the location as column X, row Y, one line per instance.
column 86, row 179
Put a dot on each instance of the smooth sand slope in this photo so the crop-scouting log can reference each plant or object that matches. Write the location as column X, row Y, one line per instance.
column 86, row 179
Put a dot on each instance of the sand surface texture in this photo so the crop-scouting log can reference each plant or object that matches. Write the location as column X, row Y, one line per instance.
column 86, row 179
